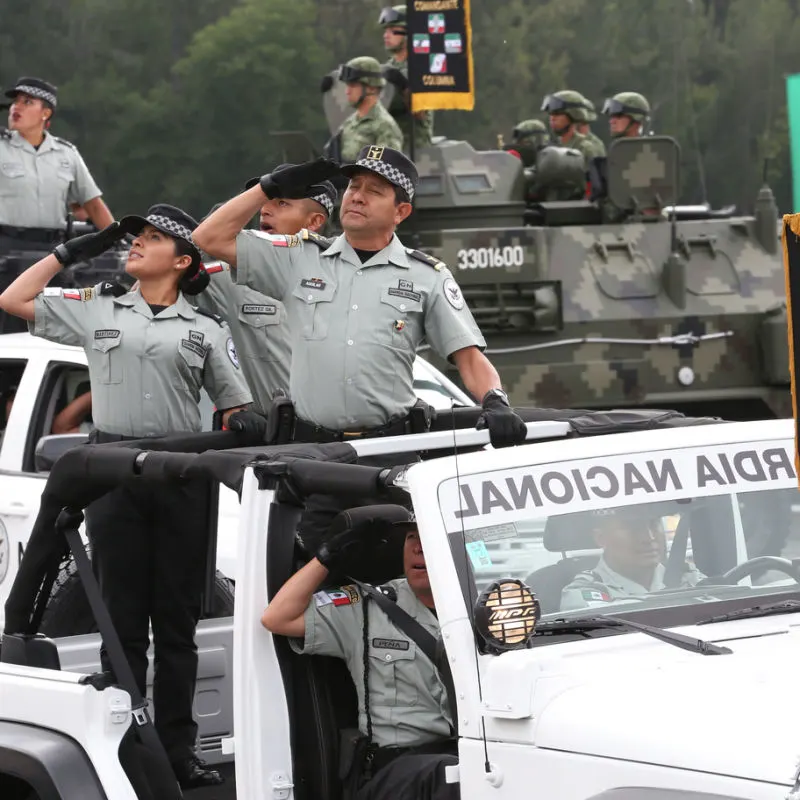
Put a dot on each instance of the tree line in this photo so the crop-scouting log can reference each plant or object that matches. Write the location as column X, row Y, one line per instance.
column 175, row 100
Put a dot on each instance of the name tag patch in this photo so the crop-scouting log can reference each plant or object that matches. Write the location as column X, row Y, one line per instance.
column 254, row 309
column 194, row 347
column 313, row 283
column 406, row 293
column 106, row 333
column 390, row 644
column 197, row 337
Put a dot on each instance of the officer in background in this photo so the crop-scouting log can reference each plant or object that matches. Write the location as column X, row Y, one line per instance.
column 628, row 113
column 358, row 308
column 395, row 40
column 634, row 544
column 527, row 139
column 585, row 129
column 566, row 109
column 257, row 322
column 404, row 761
column 149, row 353
column 40, row 174
column 370, row 123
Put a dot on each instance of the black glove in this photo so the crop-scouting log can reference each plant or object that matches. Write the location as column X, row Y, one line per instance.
column 88, row 246
column 252, row 424
column 396, row 78
column 505, row 425
column 326, row 83
column 292, row 181
column 356, row 535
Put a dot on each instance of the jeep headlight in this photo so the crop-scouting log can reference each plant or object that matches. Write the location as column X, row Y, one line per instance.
column 506, row 614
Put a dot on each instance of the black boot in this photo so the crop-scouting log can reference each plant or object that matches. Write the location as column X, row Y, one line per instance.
column 194, row 773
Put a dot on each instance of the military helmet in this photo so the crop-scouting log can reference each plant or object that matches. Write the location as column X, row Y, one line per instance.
column 568, row 102
column 393, row 16
column 591, row 112
column 631, row 104
column 363, row 69
column 530, row 131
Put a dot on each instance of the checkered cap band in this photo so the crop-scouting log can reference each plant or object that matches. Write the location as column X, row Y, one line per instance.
column 392, row 174
column 35, row 91
column 324, row 201
column 170, row 226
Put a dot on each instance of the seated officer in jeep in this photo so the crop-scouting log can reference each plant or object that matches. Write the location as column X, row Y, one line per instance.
column 404, row 719
column 634, row 546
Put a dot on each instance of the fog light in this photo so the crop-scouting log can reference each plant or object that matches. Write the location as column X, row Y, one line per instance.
column 506, row 614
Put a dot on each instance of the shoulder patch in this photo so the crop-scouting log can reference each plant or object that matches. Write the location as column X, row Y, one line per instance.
column 343, row 596
column 211, row 315
column 431, row 261
column 65, row 142
column 323, row 242
column 214, row 267
column 111, row 288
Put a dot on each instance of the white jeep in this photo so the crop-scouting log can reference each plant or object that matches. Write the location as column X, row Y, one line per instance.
column 677, row 692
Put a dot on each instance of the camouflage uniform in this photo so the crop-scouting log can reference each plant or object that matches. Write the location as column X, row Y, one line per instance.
column 375, row 127
column 603, row 585
column 583, row 144
column 590, row 115
column 398, row 108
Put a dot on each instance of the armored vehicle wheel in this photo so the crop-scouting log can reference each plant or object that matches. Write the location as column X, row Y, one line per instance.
column 68, row 612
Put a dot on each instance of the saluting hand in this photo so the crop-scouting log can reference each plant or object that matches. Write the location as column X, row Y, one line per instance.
column 292, row 181
column 88, row 246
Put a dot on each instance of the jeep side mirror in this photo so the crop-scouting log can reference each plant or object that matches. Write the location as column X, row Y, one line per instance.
column 50, row 448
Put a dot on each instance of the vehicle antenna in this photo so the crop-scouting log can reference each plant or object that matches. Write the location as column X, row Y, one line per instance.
column 470, row 605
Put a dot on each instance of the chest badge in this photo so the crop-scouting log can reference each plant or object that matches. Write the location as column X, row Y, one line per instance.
column 399, row 324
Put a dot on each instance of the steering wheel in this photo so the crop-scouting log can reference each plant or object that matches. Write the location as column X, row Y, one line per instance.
column 741, row 571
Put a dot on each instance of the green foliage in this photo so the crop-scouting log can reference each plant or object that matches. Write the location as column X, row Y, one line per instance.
column 175, row 100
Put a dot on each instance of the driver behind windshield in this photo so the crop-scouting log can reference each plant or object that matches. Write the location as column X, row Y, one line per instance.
column 634, row 544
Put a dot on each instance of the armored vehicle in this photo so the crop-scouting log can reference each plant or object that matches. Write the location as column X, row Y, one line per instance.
column 620, row 298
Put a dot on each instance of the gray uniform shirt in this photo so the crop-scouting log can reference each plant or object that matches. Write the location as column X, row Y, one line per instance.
column 146, row 371
column 603, row 585
column 37, row 185
column 408, row 703
column 260, row 332
column 355, row 327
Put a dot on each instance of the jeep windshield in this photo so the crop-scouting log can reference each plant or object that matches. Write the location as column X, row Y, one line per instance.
column 685, row 529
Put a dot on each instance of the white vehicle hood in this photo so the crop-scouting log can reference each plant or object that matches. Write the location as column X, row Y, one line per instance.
column 653, row 703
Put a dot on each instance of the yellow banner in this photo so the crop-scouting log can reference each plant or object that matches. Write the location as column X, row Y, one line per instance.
column 440, row 67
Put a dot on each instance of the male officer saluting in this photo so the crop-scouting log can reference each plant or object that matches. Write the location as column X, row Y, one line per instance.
column 258, row 322
column 358, row 307
column 403, row 709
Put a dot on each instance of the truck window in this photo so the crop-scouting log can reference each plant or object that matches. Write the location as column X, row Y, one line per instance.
column 10, row 375
column 62, row 406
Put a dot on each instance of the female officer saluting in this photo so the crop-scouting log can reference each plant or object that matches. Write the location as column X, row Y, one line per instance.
column 149, row 354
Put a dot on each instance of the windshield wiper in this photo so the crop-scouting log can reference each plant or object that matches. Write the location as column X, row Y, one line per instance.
column 583, row 624
column 785, row 607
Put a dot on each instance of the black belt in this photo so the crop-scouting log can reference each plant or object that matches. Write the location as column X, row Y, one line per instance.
column 385, row 755
column 101, row 437
column 43, row 235
column 308, row 432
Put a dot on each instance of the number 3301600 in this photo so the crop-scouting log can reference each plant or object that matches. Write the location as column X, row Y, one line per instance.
column 482, row 257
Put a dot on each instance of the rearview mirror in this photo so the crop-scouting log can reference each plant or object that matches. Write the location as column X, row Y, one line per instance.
column 50, row 448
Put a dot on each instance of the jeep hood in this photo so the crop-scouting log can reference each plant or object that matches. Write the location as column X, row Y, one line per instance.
column 733, row 715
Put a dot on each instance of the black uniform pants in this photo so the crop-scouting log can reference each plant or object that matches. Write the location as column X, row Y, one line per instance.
column 148, row 551
column 412, row 777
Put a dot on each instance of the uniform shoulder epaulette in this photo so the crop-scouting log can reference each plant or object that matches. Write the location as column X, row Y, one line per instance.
column 319, row 240
column 431, row 261
column 65, row 142
column 211, row 315
column 5, row 133
column 388, row 591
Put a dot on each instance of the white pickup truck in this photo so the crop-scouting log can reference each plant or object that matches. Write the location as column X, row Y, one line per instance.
column 679, row 691
column 42, row 378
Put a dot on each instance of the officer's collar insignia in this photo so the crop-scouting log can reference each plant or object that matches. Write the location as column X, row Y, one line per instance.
column 375, row 153
column 403, row 284
column 196, row 336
